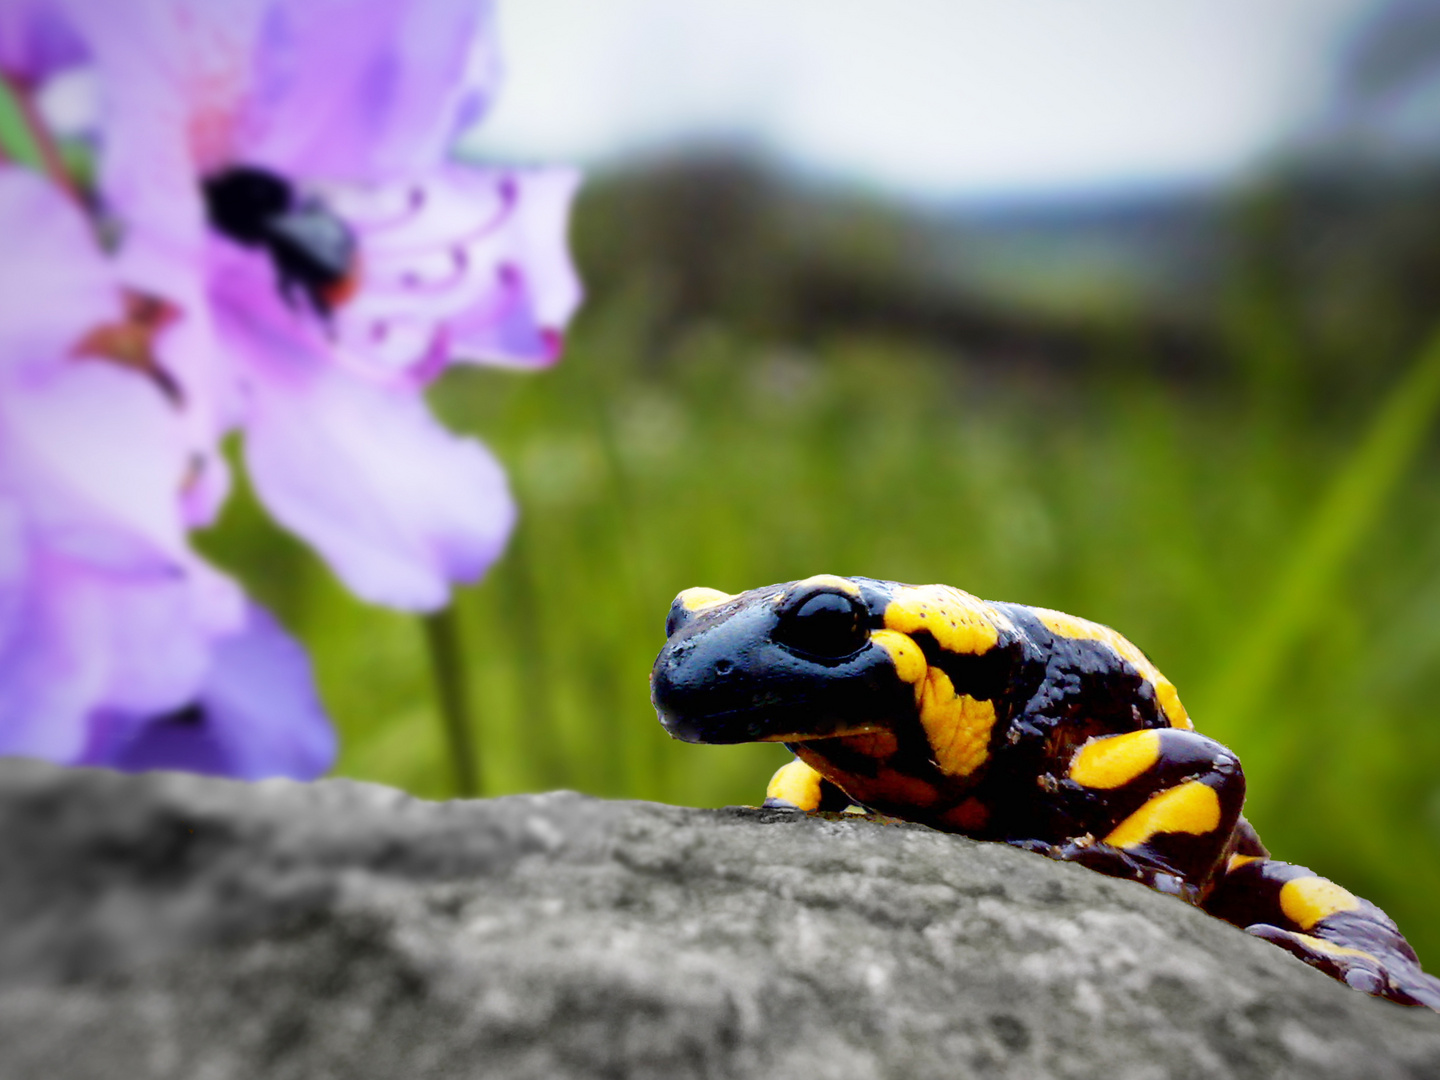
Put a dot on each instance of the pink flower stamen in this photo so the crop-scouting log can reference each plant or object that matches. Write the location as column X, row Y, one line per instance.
column 415, row 201
column 509, row 196
column 412, row 282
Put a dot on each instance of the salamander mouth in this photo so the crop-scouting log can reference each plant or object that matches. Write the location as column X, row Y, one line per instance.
column 801, row 736
column 754, row 724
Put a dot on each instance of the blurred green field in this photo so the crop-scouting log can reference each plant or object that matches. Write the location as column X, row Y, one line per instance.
column 1183, row 515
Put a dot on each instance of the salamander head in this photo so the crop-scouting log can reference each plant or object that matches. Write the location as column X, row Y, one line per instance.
column 783, row 663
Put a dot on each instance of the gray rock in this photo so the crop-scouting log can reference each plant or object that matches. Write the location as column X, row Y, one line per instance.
column 173, row 926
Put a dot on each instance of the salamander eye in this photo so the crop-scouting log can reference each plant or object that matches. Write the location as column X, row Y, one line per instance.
column 826, row 624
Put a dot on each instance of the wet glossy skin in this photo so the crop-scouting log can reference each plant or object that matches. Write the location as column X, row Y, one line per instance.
column 1009, row 723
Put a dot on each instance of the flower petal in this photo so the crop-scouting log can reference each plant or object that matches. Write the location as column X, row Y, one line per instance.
column 171, row 76
column 49, row 676
column 190, row 354
column 94, row 454
column 51, row 259
column 80, row 637
column 36, row 41
column 545, row 289
column 470, row 260
column 160, row 633
column 71, row 290
column 368, row 92
column 397, row 505
column 256, row 715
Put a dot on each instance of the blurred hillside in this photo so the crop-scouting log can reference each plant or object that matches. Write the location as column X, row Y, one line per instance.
column 1348, row 260
column 1319, row 269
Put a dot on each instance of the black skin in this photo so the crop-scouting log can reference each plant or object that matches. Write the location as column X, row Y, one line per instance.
column 754, row 669
column 312, row 249
column 801, row 663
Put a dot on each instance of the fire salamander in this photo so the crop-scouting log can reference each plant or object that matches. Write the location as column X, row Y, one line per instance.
column 1008, row 723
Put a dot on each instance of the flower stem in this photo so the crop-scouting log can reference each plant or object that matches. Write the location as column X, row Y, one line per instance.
column 14, row 141
column 442, row 633
column 51, row 161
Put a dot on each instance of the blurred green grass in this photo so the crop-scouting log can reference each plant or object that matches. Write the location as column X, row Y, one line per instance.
column 1273, row 545
column 1172, row 512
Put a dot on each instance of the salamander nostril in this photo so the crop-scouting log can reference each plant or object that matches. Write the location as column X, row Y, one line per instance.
column 723, row 667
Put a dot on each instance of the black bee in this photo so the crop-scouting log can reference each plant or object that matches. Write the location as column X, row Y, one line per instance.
column 312, row 249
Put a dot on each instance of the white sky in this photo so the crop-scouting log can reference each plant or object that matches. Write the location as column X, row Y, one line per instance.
column 934, row 98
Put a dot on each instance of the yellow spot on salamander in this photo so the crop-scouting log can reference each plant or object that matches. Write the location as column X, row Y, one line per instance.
column 960, row 623
column 831, row 581
column 1191, row 807
column 957, row 725
column 1305, row 901
column 1237, row 861
column 1329, row 947
column 797, row 784
column 909, row 661
column 1166, row 696
column 701, row 597
column 1114, row 761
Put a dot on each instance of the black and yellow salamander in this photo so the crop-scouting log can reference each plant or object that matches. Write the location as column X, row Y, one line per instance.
column 1008, row 723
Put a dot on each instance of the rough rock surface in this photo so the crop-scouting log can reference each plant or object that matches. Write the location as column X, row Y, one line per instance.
column 170, row 926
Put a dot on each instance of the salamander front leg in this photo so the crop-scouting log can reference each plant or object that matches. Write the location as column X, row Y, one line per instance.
column 1314, row 919
column 1159, row 806
column 796, row 786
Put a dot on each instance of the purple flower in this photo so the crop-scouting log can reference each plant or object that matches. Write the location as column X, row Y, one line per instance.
column 255, row 714
column 280, row 170
column 36, row 41
column 288, row 251
column 104, row 609
column 100, row 602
